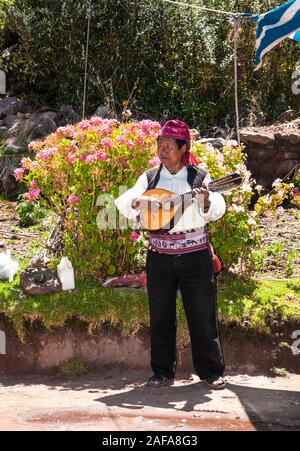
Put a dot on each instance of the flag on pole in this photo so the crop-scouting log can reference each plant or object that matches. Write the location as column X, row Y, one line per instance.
column 295, row 36
column 274, row 26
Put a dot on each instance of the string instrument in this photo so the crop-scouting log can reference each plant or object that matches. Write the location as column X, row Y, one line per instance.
column 173, row 205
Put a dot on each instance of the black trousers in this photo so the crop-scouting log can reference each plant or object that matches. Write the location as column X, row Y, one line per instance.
column 193, row 274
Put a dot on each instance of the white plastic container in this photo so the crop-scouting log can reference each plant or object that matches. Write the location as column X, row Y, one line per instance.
column 65, row 273
column 8, row 267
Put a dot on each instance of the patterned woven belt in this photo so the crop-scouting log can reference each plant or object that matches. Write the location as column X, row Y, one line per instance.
column 181, row 243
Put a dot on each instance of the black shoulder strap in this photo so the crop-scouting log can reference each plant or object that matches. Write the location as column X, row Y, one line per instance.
column 195, row 176
column 153, row 176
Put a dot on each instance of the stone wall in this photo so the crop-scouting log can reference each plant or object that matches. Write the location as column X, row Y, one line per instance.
column 271, row 155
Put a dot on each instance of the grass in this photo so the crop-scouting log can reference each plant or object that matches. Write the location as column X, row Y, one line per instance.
column 250, row 304
column 280, row 372
column 258, row 303
column 73, row 367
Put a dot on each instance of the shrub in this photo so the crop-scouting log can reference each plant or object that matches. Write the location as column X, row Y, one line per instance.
column 71, row 169
column 29, row 213
column 236, row 233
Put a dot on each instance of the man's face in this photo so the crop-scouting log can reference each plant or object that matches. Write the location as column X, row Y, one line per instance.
column 168, row 151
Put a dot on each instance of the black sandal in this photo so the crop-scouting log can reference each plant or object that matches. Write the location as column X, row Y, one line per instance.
column 159, row 381
column 216, row 382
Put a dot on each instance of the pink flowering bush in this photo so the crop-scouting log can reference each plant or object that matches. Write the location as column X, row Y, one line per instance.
column 71, row 168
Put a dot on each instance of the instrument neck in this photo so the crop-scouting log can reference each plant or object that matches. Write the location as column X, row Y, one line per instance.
column 188, row 196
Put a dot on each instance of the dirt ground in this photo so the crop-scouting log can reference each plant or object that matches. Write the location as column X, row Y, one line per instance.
column 13, row 238
column 280, row 228
column 118, row 400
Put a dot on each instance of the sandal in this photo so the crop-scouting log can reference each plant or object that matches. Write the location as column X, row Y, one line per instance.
column 216, row 382
column 159, row 381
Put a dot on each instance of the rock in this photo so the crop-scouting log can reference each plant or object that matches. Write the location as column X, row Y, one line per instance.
column 3, row 132
column 215, row 142
column 20, row 130
column 103, row 111
column 291, row 155
column 257, row 138
column 39, row 281
column 13, row 145
column 11, row 105
column 49, row 115
column 285, row 167
column 66, row 115
column 39, row 127
column 293, row 138
column 10, row 120
column 272, row 155
column 288, row 137
column 8, row 184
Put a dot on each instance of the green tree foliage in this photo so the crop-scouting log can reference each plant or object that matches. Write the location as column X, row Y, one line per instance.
column 162, row 57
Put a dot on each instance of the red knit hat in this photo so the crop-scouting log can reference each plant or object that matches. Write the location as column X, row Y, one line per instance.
column 179, row 130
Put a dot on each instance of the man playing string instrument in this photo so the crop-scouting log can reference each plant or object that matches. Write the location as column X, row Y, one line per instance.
column 180, row 258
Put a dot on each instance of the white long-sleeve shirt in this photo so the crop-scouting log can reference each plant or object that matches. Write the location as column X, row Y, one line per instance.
column 193, row 216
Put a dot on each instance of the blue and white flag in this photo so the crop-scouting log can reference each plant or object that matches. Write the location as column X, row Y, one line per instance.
column 274, row 26
column 295, row 36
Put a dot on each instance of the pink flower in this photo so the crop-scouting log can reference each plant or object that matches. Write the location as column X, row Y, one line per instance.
column 84, row 125
column 35, row 165
column 71, row 158
column 127, row 113
column 33, row 184
column 90, row 158
column 134, row 236
column 106, row 143
column 100, row 156
column 67, row 131
column 96, row 120
column 141, row 134
column 104, row 187
column 26, row 163
column 139, row 142
column 130, row 144
column 44, row 154
column 107, row 129
column 18, row 173
column 121, row 139
column 31, row 146
column 33, row 193
column 79, row 135
column 73, row 200
column 154, row 162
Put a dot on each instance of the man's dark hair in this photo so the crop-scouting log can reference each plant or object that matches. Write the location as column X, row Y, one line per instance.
column 180, row 143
